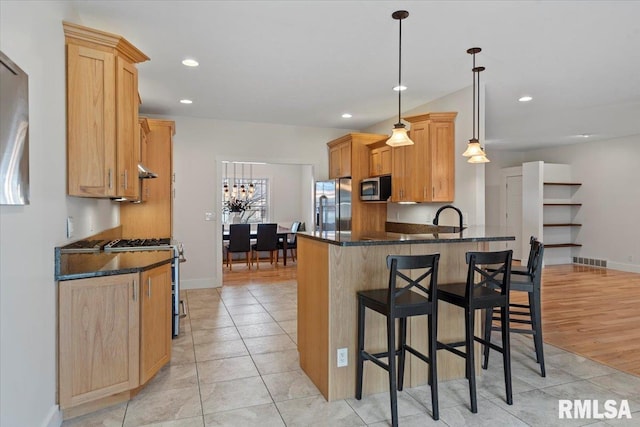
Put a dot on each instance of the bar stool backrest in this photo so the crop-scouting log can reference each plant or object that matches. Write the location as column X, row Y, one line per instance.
column 395, row 263
column 496, row 277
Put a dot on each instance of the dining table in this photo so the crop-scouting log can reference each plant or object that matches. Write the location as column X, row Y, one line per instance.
column 282, row 232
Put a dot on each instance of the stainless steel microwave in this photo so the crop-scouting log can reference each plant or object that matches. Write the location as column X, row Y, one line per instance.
column 376, row 189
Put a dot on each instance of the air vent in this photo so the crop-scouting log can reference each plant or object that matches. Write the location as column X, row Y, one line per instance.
column 592, row 262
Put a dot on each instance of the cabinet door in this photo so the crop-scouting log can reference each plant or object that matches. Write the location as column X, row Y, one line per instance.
column 128, row 135
column 421, row 190
column 441, row 136
column 398, row 175
column 155, row 320
column 380, row 161
column 334, row 162
column 98, row 338
column 91, row 122
column 345, row 160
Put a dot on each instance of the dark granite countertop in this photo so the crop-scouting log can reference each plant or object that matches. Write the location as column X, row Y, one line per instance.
column 470, row 234
column 84, row 265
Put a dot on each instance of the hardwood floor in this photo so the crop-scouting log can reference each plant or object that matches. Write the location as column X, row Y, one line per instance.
column 589, row 311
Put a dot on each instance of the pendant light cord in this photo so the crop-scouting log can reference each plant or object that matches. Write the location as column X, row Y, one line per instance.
column 399, row 70
column 474, row 96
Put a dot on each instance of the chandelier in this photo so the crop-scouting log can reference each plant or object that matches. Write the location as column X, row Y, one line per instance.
column 241, row 189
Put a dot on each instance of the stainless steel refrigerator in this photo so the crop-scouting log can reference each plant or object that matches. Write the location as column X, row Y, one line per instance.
column 333, row 205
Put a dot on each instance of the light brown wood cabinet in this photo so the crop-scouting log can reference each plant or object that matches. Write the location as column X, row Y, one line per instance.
column 340, row 159
column 425, row 171
column 380, row 161
column 153, row 217
column 99, row 338
column 102, row 113
column 155, row 320
column 143, row 125
column 354, row 149
column 114, row 336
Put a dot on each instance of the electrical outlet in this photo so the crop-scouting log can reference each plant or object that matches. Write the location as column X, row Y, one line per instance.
column 342, row 357
column 209, row 216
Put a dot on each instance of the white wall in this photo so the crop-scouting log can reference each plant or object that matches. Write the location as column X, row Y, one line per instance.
column 610, row 195
column 200, row 146
column 469, row 178
column 31, row 35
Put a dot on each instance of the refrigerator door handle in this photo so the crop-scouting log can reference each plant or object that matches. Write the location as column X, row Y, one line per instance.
column 322, row 202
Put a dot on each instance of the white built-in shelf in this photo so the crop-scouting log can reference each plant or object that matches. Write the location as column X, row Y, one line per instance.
column 562, row 225
column 563, row 183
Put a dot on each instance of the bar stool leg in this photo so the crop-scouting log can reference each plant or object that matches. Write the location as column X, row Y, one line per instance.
column 360, row 365
column 470, row 359
column 536, row 324
column 488, row 320
column 433, row 368
column 391, row 352
column 506, row 352
column 401, row 356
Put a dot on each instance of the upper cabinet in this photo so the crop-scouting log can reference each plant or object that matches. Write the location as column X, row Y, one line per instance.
column 153, row 218
column 380, row 161
column 339, row 158
column 425, row 171
column 103, row 139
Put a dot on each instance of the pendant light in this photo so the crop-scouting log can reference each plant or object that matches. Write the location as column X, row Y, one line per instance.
column 225, row 187
column 399, row 136
column 252, row 188
column 474, row 150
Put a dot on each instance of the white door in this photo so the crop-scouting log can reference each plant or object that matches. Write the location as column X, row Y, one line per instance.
column 514, row 214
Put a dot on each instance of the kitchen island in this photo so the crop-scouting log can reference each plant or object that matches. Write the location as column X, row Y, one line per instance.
column 332, row 267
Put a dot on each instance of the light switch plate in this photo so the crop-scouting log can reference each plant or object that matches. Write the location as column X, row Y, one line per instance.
column 70, row 225
column 209, row 216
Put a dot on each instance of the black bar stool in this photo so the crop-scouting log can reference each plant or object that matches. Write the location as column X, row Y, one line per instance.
column 527, row 280
column 482, row 290
column 399, row 303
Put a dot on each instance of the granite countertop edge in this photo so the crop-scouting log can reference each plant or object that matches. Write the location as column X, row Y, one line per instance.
column 60, row 275
column 388, row 238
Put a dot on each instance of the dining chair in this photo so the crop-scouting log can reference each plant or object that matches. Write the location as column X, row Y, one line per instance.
column 266, row 240
column 239, row 241
column 291, row 242
column 395, row 302
column 483, row 290
column 528, row 280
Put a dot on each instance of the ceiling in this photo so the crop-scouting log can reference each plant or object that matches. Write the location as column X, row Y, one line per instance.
column 304, row 63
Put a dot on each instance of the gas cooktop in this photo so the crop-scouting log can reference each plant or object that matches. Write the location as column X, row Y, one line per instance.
column 137, row 244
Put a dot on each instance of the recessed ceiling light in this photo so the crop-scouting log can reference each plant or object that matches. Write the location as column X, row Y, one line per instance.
column 186, row 101
column 346, row 116
column 526, row 98
column 583, row 135
column 190, row 62
column 399, row 88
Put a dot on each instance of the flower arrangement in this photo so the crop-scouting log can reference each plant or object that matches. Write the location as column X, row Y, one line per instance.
column 236, row 205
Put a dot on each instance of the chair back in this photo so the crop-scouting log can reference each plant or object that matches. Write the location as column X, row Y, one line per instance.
column 491, row 270
column 291, row 238
column 239, row 238
column 534, row 265
column 426, row 282
column 267, row 237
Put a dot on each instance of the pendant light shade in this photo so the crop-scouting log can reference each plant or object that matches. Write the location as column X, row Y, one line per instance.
column 399, row 136
column 474, row 150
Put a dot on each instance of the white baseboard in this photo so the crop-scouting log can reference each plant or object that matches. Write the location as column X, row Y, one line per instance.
column 631, row 268
column 54, row 417
column 208, row 282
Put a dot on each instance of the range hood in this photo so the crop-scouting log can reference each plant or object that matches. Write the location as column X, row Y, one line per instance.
column 145, row 173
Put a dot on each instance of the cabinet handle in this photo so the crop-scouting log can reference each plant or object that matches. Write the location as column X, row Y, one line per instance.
column 110, row 179
column 126, row 180
column 149, row 287
column 424, row 192
column 433, row 192
column 135, row 294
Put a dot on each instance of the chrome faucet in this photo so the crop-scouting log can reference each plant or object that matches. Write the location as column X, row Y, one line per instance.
column 435, row 220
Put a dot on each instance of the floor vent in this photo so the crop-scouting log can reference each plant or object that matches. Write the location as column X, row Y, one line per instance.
column 590, row 261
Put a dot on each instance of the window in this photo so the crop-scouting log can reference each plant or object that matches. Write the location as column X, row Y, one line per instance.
column 250, row 209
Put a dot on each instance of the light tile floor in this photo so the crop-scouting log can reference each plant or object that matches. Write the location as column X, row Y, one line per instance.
column 236, row 364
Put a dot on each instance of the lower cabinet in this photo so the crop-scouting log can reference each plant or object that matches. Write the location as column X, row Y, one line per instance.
column 155, row 321
column 114, row 334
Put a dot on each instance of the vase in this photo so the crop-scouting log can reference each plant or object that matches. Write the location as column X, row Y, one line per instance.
column 236, row 218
